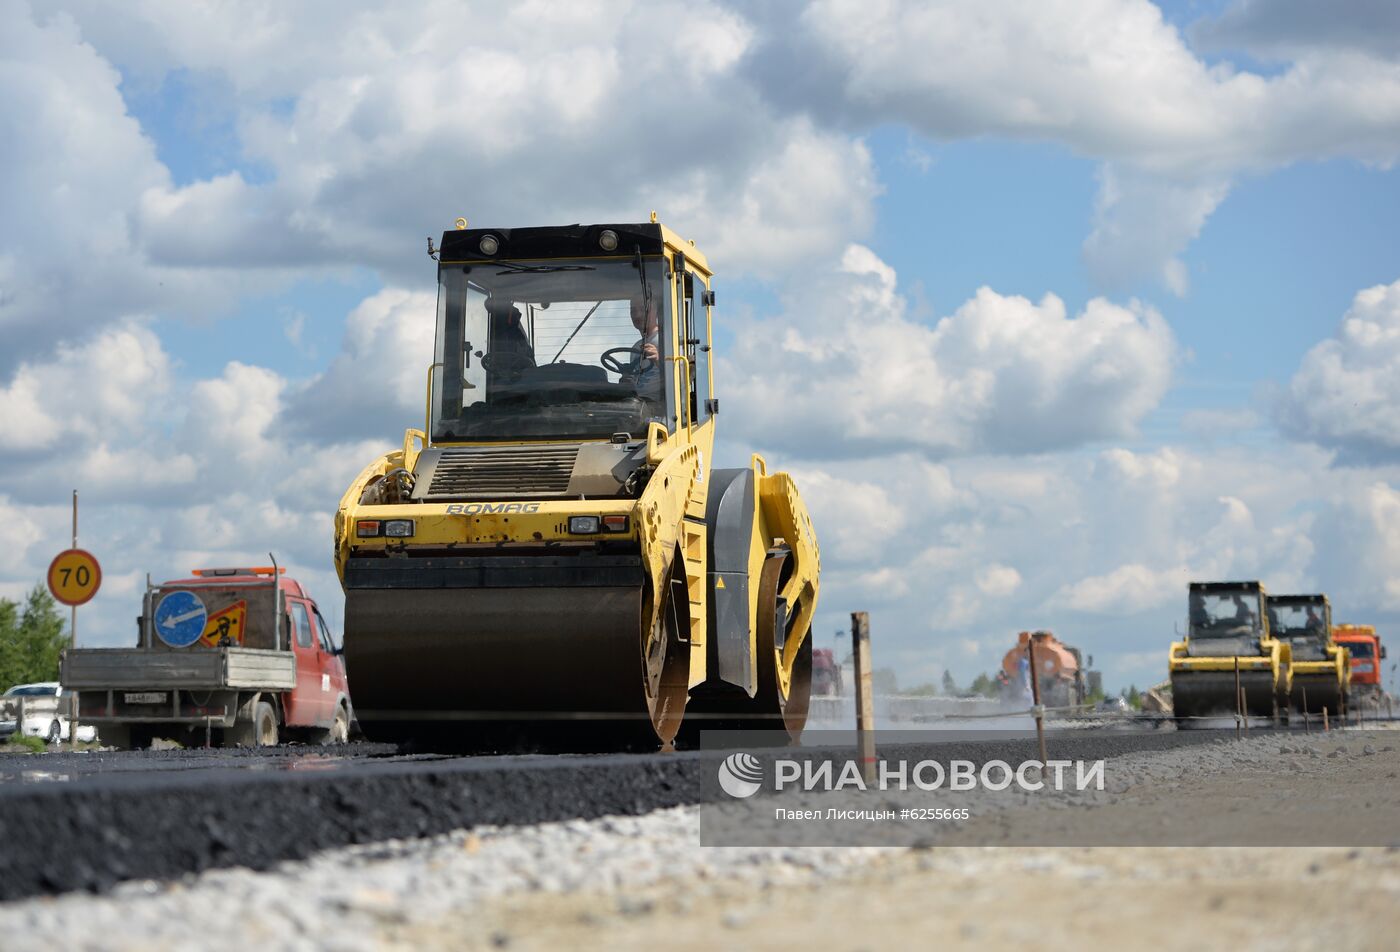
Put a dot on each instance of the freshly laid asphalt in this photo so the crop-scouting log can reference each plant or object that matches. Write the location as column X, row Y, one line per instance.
column 89, row 820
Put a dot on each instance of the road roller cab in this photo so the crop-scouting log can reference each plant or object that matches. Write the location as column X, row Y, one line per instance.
column 553, row 546
column 1228, row 632
column 1319, row 668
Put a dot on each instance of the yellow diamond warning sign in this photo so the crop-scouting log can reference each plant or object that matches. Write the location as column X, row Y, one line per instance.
column 225, row 626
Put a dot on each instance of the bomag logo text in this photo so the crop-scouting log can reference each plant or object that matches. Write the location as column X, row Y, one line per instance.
column 478, row 508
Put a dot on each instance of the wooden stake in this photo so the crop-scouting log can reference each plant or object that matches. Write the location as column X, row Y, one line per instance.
column 865, row 701
column 1035, row 697
column 1239, row 700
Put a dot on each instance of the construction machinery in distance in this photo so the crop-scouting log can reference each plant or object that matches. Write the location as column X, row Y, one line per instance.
column 1229, row 660
column 826, row 674
column 1319, row 669
column 1063, row 679
column 1366, row 652
column 554, row 549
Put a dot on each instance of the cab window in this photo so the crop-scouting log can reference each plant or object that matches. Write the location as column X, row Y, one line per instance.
column 327, row 642
column 302, row 624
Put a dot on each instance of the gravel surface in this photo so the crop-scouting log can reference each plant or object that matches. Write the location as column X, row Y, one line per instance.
column 632, row 881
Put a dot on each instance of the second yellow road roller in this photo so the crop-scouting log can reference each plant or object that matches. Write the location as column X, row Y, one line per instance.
column 1320, row 669
column 555, row 548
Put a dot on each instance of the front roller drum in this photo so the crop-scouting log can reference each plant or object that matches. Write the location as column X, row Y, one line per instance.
column 1212, row 694
column 451, row 666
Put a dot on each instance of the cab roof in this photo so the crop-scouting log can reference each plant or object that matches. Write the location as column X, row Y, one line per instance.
column 1227, row 586
column 1300, row 599
column 463, row 245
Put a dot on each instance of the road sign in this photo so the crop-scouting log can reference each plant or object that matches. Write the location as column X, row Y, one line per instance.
column 225, row 626
column 180, row 618
column 74, row 577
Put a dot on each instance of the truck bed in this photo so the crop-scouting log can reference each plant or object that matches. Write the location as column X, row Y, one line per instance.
column 196, row 669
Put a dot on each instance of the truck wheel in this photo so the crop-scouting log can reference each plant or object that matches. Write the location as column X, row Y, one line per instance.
column 338, row 732
column 261, row 731
column 114, row 735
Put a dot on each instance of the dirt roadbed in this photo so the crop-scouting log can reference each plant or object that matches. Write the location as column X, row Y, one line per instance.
column 985, row 897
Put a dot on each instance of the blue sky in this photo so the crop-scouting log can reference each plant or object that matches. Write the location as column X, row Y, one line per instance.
column 1208, row 188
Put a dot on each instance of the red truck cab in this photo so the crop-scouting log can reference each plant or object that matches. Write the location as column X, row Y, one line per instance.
column 1367, row 653
column 826, row 673
column 321, row 683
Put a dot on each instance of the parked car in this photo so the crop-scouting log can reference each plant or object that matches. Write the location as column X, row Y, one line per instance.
column 1115, row 705
column 46, row 709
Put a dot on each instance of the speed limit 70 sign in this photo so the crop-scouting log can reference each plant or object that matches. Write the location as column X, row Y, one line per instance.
column 74, row 576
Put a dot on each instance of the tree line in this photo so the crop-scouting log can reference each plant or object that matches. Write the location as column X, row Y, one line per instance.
column 985, row 685
column 32, row 635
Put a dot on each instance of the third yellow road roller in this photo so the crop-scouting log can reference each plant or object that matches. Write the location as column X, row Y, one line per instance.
column 554, row 551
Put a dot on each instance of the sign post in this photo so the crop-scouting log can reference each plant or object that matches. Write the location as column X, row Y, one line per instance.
column 74, row 578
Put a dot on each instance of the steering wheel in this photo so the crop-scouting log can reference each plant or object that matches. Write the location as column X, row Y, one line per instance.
column 635, row 361
column 505, row 362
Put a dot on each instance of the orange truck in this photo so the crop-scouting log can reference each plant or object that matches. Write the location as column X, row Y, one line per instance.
column 1367, row 652
column 1061, row 671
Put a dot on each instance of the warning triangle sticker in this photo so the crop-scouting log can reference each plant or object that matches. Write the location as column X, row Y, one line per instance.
column 225, row 626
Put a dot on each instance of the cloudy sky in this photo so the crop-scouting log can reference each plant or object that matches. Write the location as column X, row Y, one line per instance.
column 1050, row 305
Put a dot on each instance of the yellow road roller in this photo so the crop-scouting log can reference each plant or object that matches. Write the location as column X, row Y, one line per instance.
column 1320, row 669
column 1227, row 627
column 554, row 553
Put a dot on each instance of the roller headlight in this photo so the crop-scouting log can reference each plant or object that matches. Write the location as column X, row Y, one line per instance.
column 489, row 245
column 608, row 240
column 583, row 525
column 398, row 528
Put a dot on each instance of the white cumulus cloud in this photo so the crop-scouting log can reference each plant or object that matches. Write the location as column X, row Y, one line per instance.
column 847, row 369
column 376, row 384
column 1346, row 390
